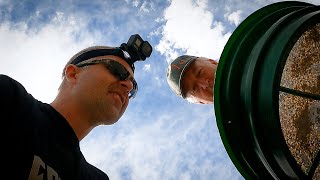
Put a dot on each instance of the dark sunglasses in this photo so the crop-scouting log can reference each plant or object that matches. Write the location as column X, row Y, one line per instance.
column 118, row 70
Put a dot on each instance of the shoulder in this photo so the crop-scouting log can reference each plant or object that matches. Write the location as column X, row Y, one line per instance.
column 12, row 93
column 88, row 171
column 5, row 78
column 97, row 173
column 7, row 83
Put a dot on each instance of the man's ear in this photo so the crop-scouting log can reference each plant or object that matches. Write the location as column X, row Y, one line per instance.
column 70, row 73
column 213, row 61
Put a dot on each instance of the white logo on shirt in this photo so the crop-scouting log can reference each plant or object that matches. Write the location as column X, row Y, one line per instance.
column 39, row 170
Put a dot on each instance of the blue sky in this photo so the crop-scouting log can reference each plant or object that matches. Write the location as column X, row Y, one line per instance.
column 160, row 136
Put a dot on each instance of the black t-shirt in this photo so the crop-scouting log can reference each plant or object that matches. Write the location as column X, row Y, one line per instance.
column 38, row 142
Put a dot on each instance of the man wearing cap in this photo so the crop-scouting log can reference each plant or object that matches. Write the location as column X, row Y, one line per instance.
column 192, row 78
column 42, row 140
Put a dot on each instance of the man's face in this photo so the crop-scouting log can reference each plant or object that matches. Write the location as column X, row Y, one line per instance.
column 198, row 80
column 101, row 93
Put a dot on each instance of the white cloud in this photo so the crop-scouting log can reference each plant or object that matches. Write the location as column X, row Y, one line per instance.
column 36, row 57
column 146, row 7
column 159, row 19
column 235, row 17
column 147, row 67
column 135, row 3
column 191, row 27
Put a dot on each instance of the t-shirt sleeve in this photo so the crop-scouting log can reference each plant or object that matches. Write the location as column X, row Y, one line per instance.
column 11, row 91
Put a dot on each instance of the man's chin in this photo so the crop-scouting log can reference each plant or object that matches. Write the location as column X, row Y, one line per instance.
column 111, row 121
column 114, row 117
column 207, row 102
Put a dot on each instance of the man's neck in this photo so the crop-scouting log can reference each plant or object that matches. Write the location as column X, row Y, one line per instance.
column 74, row 115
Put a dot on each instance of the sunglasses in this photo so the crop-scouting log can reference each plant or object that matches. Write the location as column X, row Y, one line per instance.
column 117, row 69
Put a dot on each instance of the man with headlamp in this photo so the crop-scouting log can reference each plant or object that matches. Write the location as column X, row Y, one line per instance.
column 42, row 140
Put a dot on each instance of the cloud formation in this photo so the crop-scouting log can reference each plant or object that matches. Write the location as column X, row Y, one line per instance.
column 37, row 56
column 154, row 150
column 235, row 17
column 191, row 28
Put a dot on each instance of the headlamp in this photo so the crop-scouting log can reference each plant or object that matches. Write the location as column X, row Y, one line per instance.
column 136, row 49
